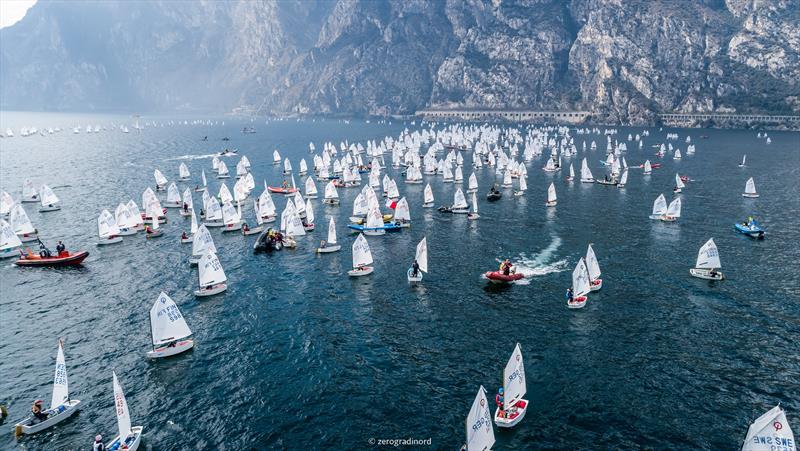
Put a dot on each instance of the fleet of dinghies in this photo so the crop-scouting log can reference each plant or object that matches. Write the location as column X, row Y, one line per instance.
column 342, row 168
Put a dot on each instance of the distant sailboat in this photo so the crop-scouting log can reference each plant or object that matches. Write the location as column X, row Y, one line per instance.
column 362, row 258
column 421, row 258
column 211, row 276
column 428, row 196
column 551, row 195
column 750, row 189
column 770, row 432
column 480, row 434
column 168, row 329
column 580, row 286
column 49, row 200
column 744, row 161
column 131, row 437
column 708, row 262
column 107, row 229
column 330, row 245
column 514, row 388
column 593, row 268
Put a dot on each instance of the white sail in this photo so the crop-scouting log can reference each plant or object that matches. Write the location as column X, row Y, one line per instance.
column 591, row 264
column 507, row 177
column 303, row 166
column 331, row 232
column 678, row 182
column 202, row 242
column 225, row 194
column 624, row 179
column 660, row 205
column 276, row 156
column 523, row 182
column 428, row 194
column 361, row 253
column 210, row 270
column 374, row 219
column 586, row 173
column 203, row 177
column 266, row 207
column 750, row 187
column 674, row 209
column 173, row 195
column 744, row 160
column 28, row 190
column 647, row 167
column 474, row 204
column 8, row 239
column 183, row 171
column 213, row 210
column 166, row 322
column 60, row 382
column 287, row 166
column 571, row 172
column 708, row 256
column 215, row 163
column 6, row 202
column 222, row 168
column 580, row 279
column 514, row 386
column 330, row 191
column 47, row 196
column 19, row 221
column 123, row 416
column 187, row 199
column 401, row 211
column 230, row 215
column 309, row 212
column 551, row 193
column 194, row 227
column 422, row 255
column 458, row 199
column 480, row 433
column 311, row 187
column 106, row 225
column 473, row 182
column 160, row 179
column 153, row 211
column 770, row 432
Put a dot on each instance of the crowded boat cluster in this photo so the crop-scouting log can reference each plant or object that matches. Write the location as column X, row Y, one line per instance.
column 376, row 170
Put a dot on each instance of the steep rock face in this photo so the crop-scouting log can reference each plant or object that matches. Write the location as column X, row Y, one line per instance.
column 624, row 60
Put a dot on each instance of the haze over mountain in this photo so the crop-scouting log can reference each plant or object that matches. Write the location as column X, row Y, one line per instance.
column 624, row 60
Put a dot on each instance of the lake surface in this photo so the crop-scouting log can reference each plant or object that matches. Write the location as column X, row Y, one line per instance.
column 297, row 355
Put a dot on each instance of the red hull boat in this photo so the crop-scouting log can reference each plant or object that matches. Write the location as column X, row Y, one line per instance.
column 64, row 259
column 499, row 277
column 273, row 189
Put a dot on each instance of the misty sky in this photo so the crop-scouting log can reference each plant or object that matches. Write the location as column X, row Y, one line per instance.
column 11, row 11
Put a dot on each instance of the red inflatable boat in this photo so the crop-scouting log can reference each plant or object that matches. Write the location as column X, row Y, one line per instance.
column 63, row 259
column 499, row 277
column 274, row 189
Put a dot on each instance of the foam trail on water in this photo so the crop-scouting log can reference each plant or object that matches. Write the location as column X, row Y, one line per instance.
column 191, row 157
column 541, row 264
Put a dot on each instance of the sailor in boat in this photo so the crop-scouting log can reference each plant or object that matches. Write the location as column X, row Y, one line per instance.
column 498, row 399
column 185, row 207
column 285, row 184
column 184, row 236
column 37, row 411
column 322, row 244
column 44, row 252
column 61, row 249
column 245, row 227
column 98, row 443
column 570, row 296
column 506, row 268
column 202, row 213
column 415, row 269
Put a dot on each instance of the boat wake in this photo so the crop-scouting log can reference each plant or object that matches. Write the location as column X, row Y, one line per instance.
column 192, row 157
column 541, row 264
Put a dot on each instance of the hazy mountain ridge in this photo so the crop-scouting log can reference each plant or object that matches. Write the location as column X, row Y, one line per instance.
column 624, row 60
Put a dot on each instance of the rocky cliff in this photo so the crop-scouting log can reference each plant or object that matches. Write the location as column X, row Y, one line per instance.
column 625, row 60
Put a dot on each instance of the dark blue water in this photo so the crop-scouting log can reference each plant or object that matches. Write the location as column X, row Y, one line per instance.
column 297, row 355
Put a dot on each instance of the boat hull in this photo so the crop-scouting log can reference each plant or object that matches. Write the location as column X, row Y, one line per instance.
column 750, row 196
column 167, row 351
column 110, row 240
column 578, row 302
column 411, row 278
column 215, row 289
column 232, row 227
column 596, row 285
column 187, row 240
column 757, row 233
column 701, row 273
column 66, row 410
column 513, row 415
column 49, row 208
column 69, row 260
column 551, row 204
column 252, row 231
column 363, row 271
column 499, row 277
column 328, row 249
column 132, row 441
column 26, row 237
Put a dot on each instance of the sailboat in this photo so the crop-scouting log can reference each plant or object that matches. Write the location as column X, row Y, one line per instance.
column 514, row 388
column 211, row 276
column 198, row 189
column 61, row 406
column 49, row 200
column 107, row 229
column 161, row 181
column 402, row 213
column 427, row 196
column 202, row 242
column 362, row 258
column 421, row 258
column 480, row 434
column 673, row 211
column 9, row 241
column 276, row 157
column 769, row 432
column 213, row 213
column 659, row 207
column 507, row 182
column 183, row 172
column 623, row 180
column 231, row 217
column 303, row 167
column 311, row 188
column 331, row 195
column 474, row 213
column 648, row 168
column 155, row 229
column 22, row 224
column 222, row 171
column 187, row 203
column 707, row 262
column 593, row 267
column 679, row 185
column 131, row 437
column 586, row 173
column 173, row 196
column 580, row 286
column 29, row 193
column 168, row 329
column 571, row 175
column 192, row 231
column 551, row 195
column 523, row 185
column 744, row 160
column 287, row 166
column 330, row 245
column 460, row 203
column 6, row 202
column 750, row 189
column 308, row 221
column 472, row 185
